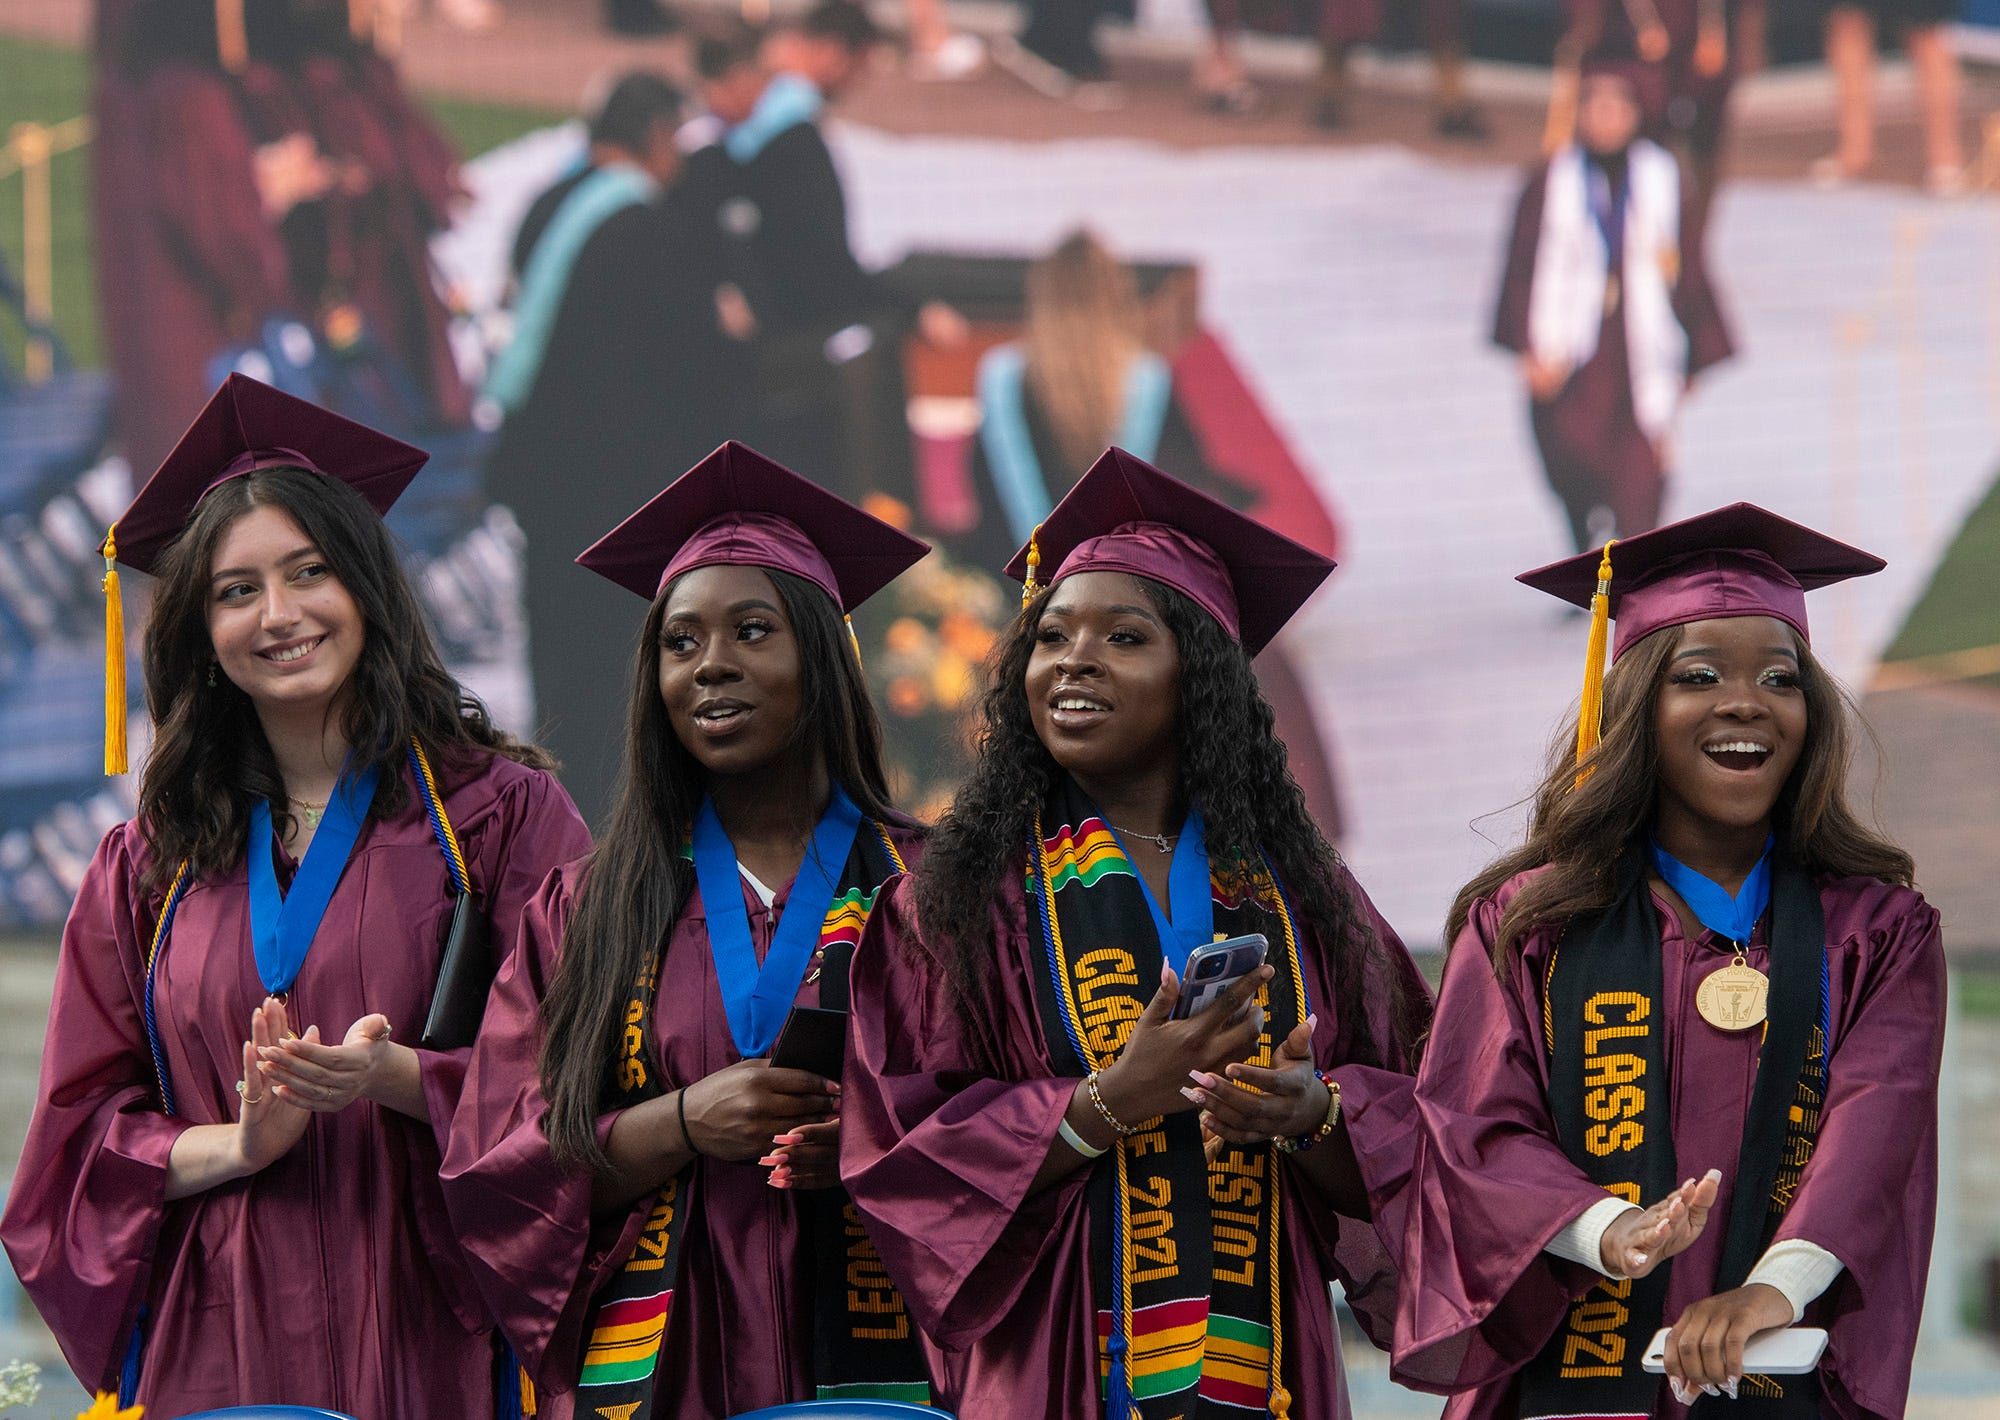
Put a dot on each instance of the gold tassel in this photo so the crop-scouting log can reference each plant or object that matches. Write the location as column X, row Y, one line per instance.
column 528, row 1406
column 114, row 661
column 1590, row 714
column 232, row 40
column 1029, row 586
column 855, row 641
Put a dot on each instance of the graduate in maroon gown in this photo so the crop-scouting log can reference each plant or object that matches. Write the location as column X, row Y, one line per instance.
column 191, row 192
column 1700, row 970
column 641, row 1167
column 1606, row 299
column 210, row 1209
column 1025, row 1121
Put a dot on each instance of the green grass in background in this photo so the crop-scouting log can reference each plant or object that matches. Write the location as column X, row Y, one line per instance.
column 48, row 84
column 1959, row 611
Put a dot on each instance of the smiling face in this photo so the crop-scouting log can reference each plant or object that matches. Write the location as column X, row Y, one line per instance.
column 283, row 627
column 1732, row 723
column 730, row 670
column 1103, row 682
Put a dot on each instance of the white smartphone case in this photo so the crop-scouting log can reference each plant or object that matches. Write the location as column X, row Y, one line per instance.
column 1781, row 1351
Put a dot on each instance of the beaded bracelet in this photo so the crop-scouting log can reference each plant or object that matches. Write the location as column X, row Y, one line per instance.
column 1124, row 1130
column 1286, row 1144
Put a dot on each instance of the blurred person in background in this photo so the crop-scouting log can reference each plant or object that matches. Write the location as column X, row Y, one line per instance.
column 937, row 51
column 626, row 360
column 1852, row 28
column 1056, row 53
column 397, row 184
column 1344, row 24
column 1605, row 298
column 195, row 184
column 1697, row 49
column 828, row 393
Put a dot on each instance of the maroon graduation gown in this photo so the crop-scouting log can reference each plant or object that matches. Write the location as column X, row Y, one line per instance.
column 1592, row 446
column 200, row 264
column 939, row 1147
column 330, row 1278
column 739, row 1333
column 1492, row 1186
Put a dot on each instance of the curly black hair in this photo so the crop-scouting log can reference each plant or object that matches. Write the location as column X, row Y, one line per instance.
column 1233, row 764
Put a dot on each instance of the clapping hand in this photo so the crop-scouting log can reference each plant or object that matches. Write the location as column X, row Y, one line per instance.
column 326, row 1078
column 1639, row 1240
column 267, row 1125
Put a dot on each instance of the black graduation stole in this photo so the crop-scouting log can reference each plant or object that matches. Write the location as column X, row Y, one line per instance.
column 863, row 1342
column 1184, row 1252
column 1604, row 1024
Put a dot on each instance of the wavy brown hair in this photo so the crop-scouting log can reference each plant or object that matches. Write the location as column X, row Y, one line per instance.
column 1232, row 764
column 1080, row 338
column 636, row 881
column 210, row 761
column 1579, row 832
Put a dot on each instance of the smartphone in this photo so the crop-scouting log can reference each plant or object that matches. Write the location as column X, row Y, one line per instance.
column 812, row 1039
column 1213, row 969
column 1781, row 1351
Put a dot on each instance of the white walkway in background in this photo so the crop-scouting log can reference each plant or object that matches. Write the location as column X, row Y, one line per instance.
column 1355, row 287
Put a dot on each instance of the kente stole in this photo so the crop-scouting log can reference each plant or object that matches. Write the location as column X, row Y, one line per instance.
column 1604, row 1023
column 1185, row 1253
column 863, row 1342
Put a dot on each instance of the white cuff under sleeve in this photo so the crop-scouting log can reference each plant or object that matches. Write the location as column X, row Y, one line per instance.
column 1799, row 1269
column 1583, row 1240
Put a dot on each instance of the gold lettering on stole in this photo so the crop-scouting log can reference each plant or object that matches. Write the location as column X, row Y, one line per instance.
column 1106, row 1007
column 1149, row 1211
column 651, row 1254
column 1614, row 1095
column 869, row 1290
column 1237, row 1183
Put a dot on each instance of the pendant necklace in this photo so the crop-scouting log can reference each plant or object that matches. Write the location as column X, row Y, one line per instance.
column 311, row 812
column 1162, row 841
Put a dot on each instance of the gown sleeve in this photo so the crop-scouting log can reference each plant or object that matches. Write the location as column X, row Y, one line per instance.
column 535, row 1252
column 1696, row 302
column 1510, row 319
column 1876, row 1157
column 1491, row 1186
column 937, row 1153
column 89, row 1197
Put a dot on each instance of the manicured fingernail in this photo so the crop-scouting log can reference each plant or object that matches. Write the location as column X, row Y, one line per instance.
column 1711, row 1390
column 769, row 1159
column 1638, row 1259
column 777, row 1182
column 785, row 1139
column 832, row 1087
column 1194, row 1096
column 1713, row 1175
column 1681, row 1392
column 1729, row 1387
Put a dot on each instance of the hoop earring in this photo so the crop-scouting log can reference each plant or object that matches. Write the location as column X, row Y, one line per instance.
column 211, row 674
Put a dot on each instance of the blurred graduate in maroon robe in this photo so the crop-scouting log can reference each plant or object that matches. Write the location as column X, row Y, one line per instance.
column 191, row 190
column 209, row 1210
column 1684, row 1066
column 1605, row 297
column 649, row 1198
column 1025, row 1123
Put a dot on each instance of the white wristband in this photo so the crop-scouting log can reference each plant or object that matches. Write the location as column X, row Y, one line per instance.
column 1077, row 1142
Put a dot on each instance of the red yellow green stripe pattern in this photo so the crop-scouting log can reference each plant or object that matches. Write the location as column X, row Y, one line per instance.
column 1084, row 854
column 625, row 1343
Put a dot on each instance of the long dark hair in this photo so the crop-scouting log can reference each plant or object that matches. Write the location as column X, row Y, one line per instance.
column 210, row 761
column 636, row 880
column 1232, row 764
column 1580, row 831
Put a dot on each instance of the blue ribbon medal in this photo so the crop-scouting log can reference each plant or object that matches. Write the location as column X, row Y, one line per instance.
column 758, row 999
column 1735, row 997
column 282, row 925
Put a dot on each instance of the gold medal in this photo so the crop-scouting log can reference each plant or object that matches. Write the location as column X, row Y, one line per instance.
column 1735, row 997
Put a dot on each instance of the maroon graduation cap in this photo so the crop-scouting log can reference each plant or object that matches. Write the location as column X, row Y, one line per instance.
column 246, row 426
column 1124, row 515
column 737, row 508
column 1735, row 561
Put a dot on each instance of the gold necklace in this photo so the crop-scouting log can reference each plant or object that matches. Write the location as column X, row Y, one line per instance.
column 312, row 812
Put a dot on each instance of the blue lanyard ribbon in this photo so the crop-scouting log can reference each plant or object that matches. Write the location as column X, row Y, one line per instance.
column 1733, row 918
column 282, row 925
column 758, row 999
column 1193, row 921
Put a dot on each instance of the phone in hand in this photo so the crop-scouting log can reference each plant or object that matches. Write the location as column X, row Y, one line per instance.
column 812, row 1039
column 1781, row 1351
column 1213, row 969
